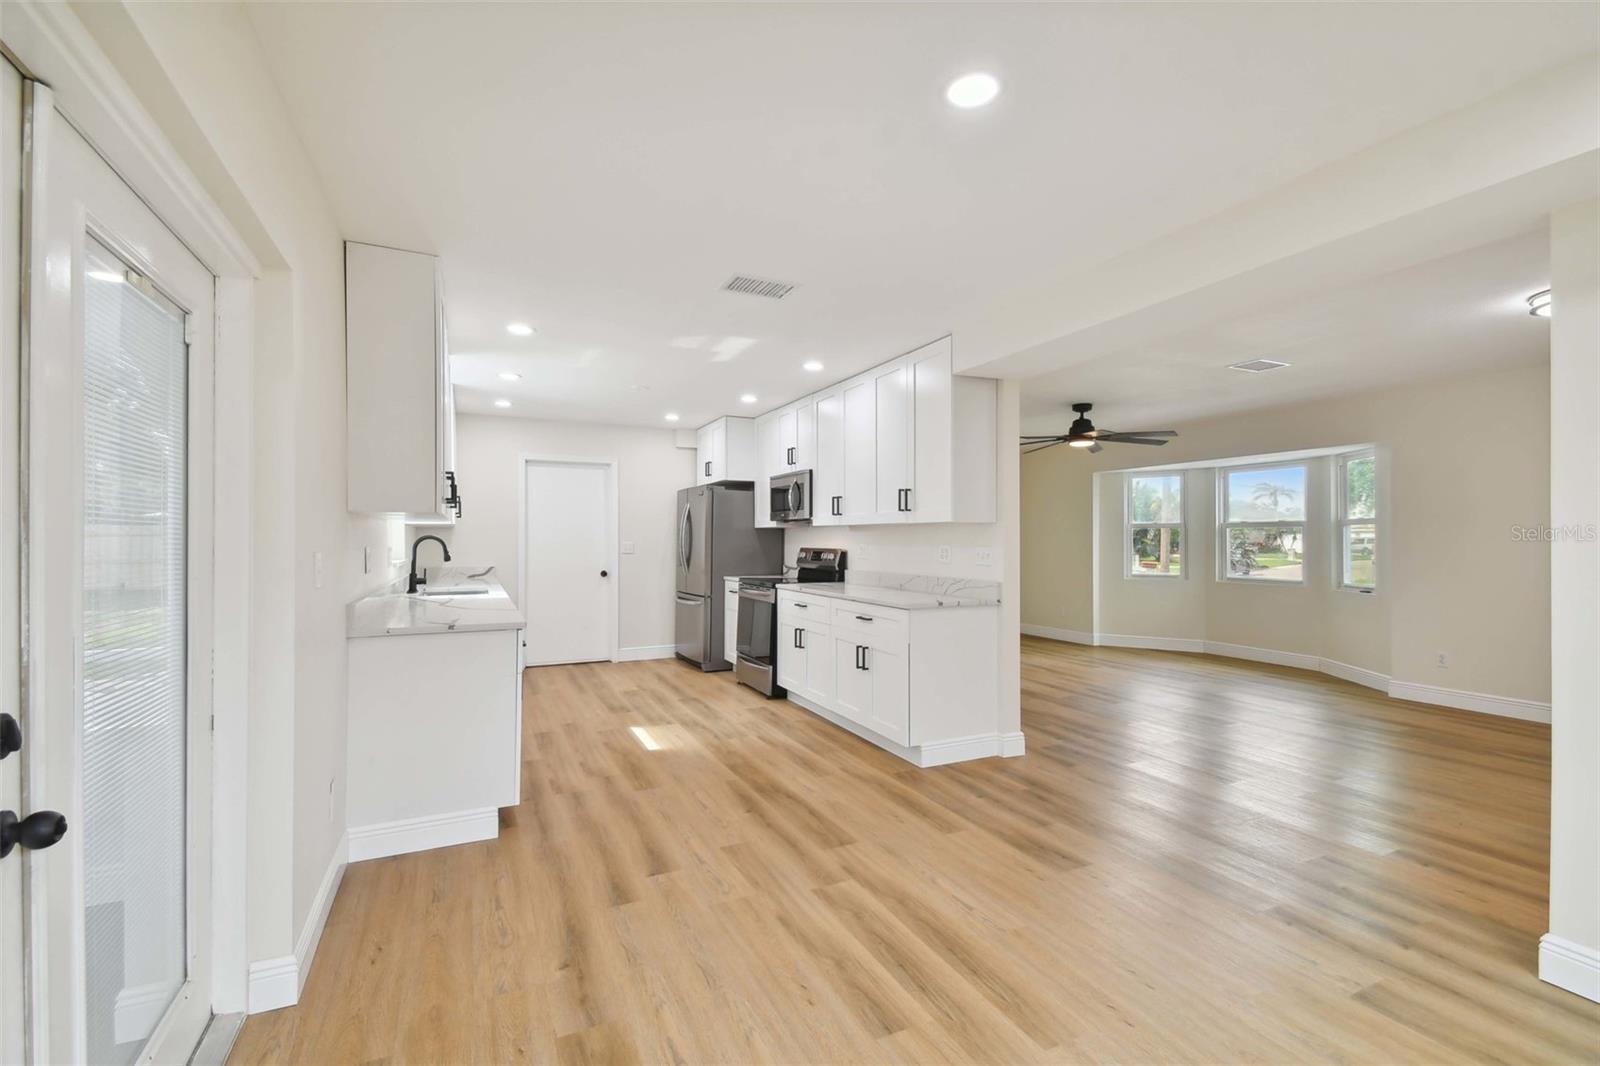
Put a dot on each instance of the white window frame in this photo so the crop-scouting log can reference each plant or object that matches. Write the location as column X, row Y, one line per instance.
column 1129, row 525
column 1225, row 528
column 1342, row 520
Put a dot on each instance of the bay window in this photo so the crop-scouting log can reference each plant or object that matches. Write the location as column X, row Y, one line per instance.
column 1356, row 511
column 1154, row 533
column 1263, row 524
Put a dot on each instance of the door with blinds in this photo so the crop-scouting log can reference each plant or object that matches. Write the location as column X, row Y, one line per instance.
column 116, row 554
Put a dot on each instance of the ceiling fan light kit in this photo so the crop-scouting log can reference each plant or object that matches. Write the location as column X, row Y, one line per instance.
column 1082, row 434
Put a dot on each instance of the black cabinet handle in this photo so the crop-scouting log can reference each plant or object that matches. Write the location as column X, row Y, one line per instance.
column 802, row 635
column 794, row 641
column 838, row 505
column 865, row 664
column 10, row 735
column 861, row 657
column 605, row 573
column 864, row 618
column 37, row 831
column 908, row 498
column 708, row 468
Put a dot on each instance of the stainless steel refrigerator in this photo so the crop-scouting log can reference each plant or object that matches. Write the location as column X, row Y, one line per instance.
column 717, row 539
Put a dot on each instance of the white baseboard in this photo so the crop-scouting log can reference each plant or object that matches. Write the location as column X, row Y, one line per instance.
column 1298, row 660
column 1460, row 699
column 1070, row 636
column 276, row 983
column 1355, row 674
column 383, row 839
column 937, row 753
column 136, row 1011
column 1119, row 640
column 1483, row 703
column 646, row 651
column 1571, row 966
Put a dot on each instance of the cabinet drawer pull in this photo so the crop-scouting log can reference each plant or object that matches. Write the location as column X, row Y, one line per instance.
column 802, row 606
column 864, row 618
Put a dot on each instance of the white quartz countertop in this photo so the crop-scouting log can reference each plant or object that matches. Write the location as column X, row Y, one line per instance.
column 882, row 596
column 394, row 613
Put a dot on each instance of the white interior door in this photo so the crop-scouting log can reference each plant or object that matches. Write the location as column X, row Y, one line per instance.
column 117, row 556
column 568, row 572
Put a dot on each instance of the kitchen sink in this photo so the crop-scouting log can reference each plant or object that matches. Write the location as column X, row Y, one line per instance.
column 453, row 590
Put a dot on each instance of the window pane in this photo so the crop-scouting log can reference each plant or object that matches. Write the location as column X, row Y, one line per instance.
column 1361, row 488
column 1156, row 499
column 1361, row 556
column 1157, row 551
column 1275, row 494
column 135, row 673
column 1266, row 553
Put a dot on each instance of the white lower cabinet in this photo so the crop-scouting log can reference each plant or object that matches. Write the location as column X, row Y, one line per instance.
column 922, row 683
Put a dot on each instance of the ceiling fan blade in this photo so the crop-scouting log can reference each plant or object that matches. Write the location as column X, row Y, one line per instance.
column 1120, row 439
column 1037, row 447
column 1137, row 433
column 1042, row 436
column 1095, row 448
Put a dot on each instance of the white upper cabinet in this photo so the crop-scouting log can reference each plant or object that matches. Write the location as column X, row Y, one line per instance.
column 788, row 438
column 725, row 450
column 827, row 473
column 896, row 431
column 860, row 440
column 400, row 412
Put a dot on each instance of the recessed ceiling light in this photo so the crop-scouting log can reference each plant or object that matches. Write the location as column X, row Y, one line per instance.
column 812, row 365
column 519, row 329
column 972, row 90
column 748, row 397
column 671, row 416
column 1539, row 304
column 502, row 403
column 510, row 375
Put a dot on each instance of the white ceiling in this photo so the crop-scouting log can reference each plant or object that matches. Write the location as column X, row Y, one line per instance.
column 601, row 170
column 1458, row 314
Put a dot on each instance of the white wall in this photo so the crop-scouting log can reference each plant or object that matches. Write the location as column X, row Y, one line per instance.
column 1570, row 955
column 199, row 71
column 651, row 468
column 1455, row 577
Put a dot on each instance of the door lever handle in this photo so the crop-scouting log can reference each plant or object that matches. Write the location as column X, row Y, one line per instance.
column 37, row 831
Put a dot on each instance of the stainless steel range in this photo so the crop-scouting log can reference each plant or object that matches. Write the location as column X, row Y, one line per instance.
column 758, row 616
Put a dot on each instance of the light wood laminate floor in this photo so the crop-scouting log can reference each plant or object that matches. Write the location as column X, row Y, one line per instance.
column 1197, row 860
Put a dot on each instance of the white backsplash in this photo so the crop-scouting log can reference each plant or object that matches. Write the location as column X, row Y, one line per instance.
column 934, row 584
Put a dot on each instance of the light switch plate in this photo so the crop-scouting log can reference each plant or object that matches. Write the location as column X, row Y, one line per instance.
column 627, row 547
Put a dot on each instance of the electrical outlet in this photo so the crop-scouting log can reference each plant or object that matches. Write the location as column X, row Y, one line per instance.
column 366, row 560
column 944, row 553
column 1443, row 661
column 985, row 556
column 627, row 547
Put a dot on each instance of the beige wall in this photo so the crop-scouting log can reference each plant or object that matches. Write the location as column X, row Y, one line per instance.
column 1455, row 579
column 651, row 468
column 1575, row 600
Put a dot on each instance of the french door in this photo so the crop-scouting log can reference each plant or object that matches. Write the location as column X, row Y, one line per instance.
column 114, row 523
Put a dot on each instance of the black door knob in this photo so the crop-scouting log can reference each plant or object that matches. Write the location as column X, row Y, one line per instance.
column 10, row 735
column 38, row 830
column 605, row 573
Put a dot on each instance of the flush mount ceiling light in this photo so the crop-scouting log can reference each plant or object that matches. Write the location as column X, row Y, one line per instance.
column 812, row 365
column 1539, row 304
column 671, row 416
column 519, row 329
column 1257, row 366
column 972, row 90
column 748, row 397
column 502, row 403
column 510, row 375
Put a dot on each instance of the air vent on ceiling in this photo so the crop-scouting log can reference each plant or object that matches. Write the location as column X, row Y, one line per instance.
column 1257, row 366
column 776, row 290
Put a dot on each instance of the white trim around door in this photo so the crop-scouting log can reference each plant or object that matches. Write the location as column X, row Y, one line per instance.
column 612, row 538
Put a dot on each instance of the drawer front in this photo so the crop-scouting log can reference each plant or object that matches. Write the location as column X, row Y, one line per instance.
column 883, row 625
column 799, row 608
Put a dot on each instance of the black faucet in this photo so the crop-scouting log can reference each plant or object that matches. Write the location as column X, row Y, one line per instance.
column 412, row 587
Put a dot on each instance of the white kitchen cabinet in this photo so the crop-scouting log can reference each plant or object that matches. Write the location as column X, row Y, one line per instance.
column 791, row 438
column 860, row 439
column 894, row 433
column 730, row 621
column 399, row 406
column 725, row 450
column 923, row 684
column 827, row 475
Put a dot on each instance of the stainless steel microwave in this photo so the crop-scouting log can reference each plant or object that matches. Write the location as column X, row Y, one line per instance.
column 791, row 497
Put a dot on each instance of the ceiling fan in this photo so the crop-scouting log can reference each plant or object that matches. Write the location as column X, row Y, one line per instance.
column 1082, row 434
